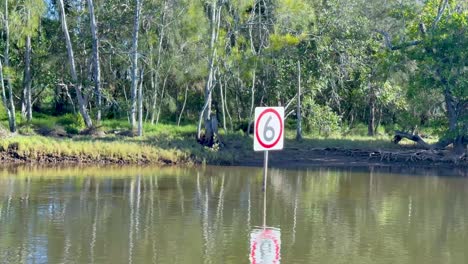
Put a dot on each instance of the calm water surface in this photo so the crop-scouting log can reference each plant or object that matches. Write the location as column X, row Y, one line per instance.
column 215, row 215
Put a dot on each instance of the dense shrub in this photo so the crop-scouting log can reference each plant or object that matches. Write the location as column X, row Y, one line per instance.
column 26, row 130
column 72, row 123
column 320, row 119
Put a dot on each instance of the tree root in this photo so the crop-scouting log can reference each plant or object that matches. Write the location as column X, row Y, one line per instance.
column 419, row 156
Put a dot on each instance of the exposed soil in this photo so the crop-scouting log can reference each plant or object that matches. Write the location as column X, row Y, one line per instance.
column 408, row 160
column 12, row 157
column 401, row 160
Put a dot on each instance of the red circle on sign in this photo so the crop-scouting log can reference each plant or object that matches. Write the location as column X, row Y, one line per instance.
column 270, row 110
column 266, row 234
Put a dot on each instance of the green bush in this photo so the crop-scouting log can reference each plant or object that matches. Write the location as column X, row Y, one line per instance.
column 72, row 130
column 243, row 125
column 3, row 112
column 320, row 119
column 26, row 130
column 72, row 123
column 359, row 129
column 44, row 123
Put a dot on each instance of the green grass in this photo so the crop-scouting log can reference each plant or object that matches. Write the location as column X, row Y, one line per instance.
column 165, row 143
column 33, row 147
column 162, row 143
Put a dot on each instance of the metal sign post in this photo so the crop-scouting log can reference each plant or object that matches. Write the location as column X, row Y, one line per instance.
column 265, row 175
column 268, row 134
column 265, row 242
column 265, row 170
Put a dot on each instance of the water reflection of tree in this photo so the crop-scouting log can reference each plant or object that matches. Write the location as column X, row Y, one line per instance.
column 358, row 217
column 204, row 215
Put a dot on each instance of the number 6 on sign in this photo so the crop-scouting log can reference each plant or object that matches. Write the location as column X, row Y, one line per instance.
column 269, row 128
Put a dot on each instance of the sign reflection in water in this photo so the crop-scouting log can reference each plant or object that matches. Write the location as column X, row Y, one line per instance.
column 265, row 246
column 207, row 215
column 265, row 243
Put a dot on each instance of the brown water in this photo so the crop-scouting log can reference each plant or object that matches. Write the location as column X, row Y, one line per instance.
column 216, row 215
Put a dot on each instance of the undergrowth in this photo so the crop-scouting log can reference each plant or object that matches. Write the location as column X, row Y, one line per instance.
column 161, row 143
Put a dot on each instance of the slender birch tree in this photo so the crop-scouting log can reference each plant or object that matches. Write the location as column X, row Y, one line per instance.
column 6, row 58
column 205, row 113
column 96, row 63
column 74, row 74
column 32, row 13
column 134, row 58
column 156, row 76
column 298, row 107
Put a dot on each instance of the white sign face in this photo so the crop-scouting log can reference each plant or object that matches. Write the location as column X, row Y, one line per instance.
column 269, row 128
column 265, row 246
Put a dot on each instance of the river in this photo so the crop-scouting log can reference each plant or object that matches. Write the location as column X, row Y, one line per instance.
column 221, row 215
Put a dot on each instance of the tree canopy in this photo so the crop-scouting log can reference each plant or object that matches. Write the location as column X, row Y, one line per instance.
column 387, row 65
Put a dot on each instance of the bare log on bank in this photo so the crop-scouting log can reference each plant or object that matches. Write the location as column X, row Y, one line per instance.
column 441, row 144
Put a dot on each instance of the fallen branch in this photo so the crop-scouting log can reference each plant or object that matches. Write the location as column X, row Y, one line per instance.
column 399, row 135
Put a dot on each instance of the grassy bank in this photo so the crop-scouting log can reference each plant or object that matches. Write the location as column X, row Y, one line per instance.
column 161, row 144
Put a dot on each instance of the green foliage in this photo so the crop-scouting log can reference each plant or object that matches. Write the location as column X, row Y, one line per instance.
column 294, row 15
column 440, row 70
column 358, row 130
column 320, row 119
column 71, row 120
column 26, row 130
column 71, row 130
column 72, row 123
column 25, row 17
column 280, row 41
column 3, row 112
column 343, row 62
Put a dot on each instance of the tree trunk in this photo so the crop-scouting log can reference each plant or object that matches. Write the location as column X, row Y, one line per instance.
column 227, row 106
column 97, row 65
column 252, row 102
column 158, row 64
column 136, row 29
column 28, row 80
column 4, row 97
column 379, row 121
column 74, row 75
column 163, row 93
column 399, row 135
column 371, row 125
column 454, row 112
column 298, row 111
column 460, row 144
column 206, row 110
column 155, row 91
column 140, row 105
column 223, row 105
column 183, row 106
column 12, row 117
column 451, row 109
column 456, row 135
column 238, row 105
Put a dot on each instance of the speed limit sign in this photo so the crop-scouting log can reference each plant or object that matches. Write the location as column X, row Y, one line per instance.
column 269, row 128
